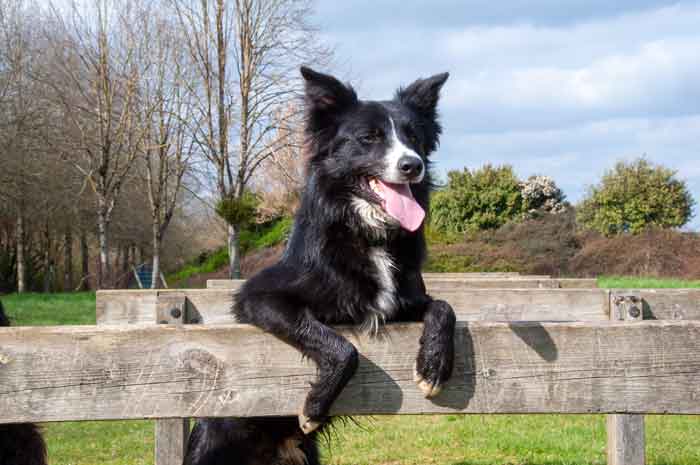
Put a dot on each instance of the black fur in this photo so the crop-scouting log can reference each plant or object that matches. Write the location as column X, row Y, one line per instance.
column 20, row 444
column 328, row 274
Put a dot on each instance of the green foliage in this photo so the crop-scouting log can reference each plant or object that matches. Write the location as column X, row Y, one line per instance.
column 266, row 235
column 254, row 237
column 238, row 211
column 486, row 198
column 634, row 196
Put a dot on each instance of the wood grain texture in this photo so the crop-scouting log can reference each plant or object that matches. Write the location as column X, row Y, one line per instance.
column 167, row 371
column 213, row 306
column 440, row 282
column 171, row 435
column 626, row 440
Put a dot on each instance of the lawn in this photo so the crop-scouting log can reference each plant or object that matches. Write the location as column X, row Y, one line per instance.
column 391, row 440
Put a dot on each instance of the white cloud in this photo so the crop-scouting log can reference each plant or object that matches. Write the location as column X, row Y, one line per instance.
column 553, row 90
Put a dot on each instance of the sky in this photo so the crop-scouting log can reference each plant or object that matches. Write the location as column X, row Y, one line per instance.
column 559, row 88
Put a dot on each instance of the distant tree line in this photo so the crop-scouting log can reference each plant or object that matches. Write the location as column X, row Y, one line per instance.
column 116, row 114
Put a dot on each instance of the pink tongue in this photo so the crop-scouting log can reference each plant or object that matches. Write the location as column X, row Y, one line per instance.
column 400, row 204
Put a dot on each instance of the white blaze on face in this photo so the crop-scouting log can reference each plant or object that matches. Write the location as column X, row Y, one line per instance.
column 398, row 149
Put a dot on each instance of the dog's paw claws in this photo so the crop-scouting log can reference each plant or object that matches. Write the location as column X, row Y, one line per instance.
column 427, row 388
column 308, row 425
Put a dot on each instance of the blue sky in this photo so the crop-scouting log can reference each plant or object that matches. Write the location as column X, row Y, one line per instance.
column 561, row 88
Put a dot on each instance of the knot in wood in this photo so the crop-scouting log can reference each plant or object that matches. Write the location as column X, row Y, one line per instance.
column 200, row 361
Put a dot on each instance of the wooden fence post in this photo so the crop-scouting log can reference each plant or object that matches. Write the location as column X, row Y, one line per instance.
column 171, row 434
column 626, row 443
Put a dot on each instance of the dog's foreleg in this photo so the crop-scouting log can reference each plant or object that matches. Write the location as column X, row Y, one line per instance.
column 337, row 361
column 334, row 355
column 435, row 358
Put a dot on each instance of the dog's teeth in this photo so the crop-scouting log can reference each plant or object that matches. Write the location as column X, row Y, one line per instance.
column 374, row 185
column 307, row 425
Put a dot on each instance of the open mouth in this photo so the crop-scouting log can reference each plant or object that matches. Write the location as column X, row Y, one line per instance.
column 398, row 202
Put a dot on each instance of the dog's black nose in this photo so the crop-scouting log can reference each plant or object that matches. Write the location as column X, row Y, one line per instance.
column 411, row 166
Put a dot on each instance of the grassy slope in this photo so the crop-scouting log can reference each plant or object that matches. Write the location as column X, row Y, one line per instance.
column 267, row 236
column 419, row 440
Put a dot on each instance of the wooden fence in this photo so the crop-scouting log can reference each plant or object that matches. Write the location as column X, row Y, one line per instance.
column 551, row 365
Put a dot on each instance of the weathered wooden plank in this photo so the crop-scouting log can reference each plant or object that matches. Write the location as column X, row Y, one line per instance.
column 213, row 306
column 465, row 283
column 164, row 371
column 626, row 442
column 171, row 435
column 670, row 304
column 510, row 283
column 505, row 274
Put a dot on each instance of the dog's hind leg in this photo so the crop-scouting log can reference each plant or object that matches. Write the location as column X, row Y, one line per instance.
column 334, row 355
column 250, row 441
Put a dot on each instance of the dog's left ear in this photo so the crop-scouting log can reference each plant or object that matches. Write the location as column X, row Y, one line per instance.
column 324, row 93
column 423, row 95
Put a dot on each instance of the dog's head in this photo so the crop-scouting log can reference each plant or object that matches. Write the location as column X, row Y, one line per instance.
column 374, row 154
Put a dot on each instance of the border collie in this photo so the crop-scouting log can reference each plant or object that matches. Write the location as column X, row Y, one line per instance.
column 20, row 444
column 354, row 257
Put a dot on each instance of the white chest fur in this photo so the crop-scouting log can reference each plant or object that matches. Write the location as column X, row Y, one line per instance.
column 385, row 303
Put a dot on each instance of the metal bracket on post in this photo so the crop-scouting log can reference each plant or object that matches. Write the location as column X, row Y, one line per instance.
column 171, row 434
column 626, row 442
column 627, row 307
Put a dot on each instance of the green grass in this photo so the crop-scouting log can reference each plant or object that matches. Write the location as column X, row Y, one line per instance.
column 632, row 282
column 50, row 309
column 388, row 440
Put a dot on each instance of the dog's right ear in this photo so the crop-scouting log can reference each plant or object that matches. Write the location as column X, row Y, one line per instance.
column 325, row 93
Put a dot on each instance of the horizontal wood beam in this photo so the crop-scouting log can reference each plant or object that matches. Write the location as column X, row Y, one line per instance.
column 213, row 306
column 465, row 283
column 167, row 371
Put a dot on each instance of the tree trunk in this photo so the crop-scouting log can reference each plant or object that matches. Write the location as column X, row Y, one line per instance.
column 234, row 253
column 48, row 266
column 84, row 261
column 156, row 256
column 68, row 261
column 21, row 283
column 103, row 274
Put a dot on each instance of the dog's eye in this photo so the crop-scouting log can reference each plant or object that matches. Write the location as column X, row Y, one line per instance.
column 411, row 136
column 372, row 137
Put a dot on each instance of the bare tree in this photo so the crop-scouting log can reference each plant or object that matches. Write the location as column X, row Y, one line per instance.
column 281, row 176
column 93, row 76
column 246, row 53
column 168, row 116
column 20, row 119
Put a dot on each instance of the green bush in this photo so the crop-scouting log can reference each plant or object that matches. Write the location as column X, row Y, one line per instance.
column 635, row 196
column 486, row 198
column 238, row 211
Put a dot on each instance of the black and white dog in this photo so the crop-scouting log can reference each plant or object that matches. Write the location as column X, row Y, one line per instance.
column 20, row 444
column 354, row 257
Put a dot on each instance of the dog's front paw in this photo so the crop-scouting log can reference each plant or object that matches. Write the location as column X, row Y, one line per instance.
column 428, row 388
column 435, row 358
column 308, row 425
